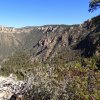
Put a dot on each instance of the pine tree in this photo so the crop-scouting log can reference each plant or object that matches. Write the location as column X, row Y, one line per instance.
column 94, row 4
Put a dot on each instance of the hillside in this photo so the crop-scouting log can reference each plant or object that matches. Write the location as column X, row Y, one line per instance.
column 46, row 41
column 53, row 62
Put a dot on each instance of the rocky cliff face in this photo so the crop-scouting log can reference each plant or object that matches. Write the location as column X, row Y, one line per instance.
column 85, row 38
column 45, row 41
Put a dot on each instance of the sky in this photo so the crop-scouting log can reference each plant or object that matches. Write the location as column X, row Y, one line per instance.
column 20, row 13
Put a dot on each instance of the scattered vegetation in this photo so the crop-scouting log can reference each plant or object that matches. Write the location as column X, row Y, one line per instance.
column 58, row 80
column 69, row 81
column 17, row 64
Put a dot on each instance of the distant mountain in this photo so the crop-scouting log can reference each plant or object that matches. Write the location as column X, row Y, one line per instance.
column 44, row 42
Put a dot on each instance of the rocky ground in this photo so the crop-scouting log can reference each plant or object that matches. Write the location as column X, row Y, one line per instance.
column 11, row 88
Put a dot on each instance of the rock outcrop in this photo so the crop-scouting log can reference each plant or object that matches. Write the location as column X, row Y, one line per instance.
column 11, row 88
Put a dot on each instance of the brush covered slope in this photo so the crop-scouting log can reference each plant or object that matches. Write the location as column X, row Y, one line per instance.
column 61, row 62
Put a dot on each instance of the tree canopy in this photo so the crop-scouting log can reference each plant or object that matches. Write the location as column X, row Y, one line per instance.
column 94, row 4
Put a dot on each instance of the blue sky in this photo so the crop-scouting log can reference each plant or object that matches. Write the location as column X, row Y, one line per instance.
column 20, row 13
